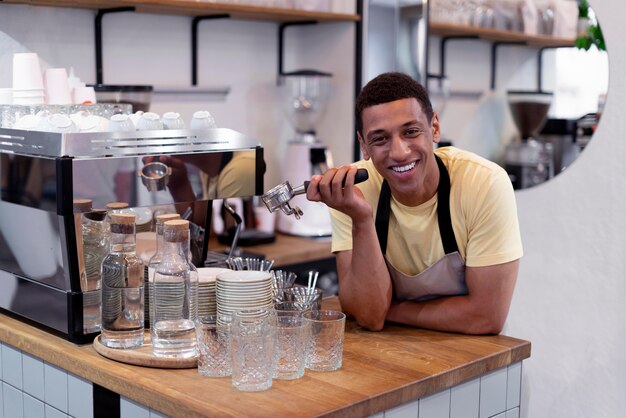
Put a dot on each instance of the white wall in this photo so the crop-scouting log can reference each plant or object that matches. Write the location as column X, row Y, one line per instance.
column 156, row 49
column 569, row 297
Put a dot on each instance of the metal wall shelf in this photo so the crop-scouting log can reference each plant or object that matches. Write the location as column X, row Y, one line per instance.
column 497, row 38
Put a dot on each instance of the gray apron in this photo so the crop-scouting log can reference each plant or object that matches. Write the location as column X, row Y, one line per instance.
column 444, row 278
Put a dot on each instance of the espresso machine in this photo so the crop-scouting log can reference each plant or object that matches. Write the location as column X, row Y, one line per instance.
column 43, row 173
column 304, row 96
column 528, row 160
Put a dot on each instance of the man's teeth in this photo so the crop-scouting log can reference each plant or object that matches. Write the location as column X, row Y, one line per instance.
column 403, row 168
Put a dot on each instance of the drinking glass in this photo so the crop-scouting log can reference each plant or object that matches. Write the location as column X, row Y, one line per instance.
column 326, row 331
column 308, row 298
column 252, row 348
column 291, row 343
column 213, row 337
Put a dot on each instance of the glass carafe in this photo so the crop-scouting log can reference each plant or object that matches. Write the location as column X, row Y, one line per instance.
column 122, row 287
column 173, row 296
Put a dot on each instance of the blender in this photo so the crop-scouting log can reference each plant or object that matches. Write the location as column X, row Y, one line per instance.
column 529, row 161
column 304, row 95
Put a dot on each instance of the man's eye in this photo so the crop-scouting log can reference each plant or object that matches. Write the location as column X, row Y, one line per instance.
column 413, row 132
column 377, row 140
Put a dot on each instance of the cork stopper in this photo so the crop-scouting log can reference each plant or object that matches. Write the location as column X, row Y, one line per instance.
column 122, row 219
column 176, row 225
column 82, row 205
column 161, row 219
column 116, row 205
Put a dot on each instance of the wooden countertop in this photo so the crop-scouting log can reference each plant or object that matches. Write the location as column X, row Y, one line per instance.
column 287, row 249
column 380, row 370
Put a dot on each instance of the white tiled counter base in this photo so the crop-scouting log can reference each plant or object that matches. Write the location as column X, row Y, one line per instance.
column 32, row 388
column 494, row 395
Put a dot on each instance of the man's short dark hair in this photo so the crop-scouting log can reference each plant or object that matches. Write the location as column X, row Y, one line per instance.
column 389, row 87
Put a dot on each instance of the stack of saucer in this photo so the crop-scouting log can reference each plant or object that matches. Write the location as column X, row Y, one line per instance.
column 246, row 289
column 207, row 304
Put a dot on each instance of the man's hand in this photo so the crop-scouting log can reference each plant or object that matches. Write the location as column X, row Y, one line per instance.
column 336, row 189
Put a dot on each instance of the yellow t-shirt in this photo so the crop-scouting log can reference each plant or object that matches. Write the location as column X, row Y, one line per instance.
column 482, row 208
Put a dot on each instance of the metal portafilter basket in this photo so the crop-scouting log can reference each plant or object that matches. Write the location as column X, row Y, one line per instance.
column 279, row 197
column 155, row 176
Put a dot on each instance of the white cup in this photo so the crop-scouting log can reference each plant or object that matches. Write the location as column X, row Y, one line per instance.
column 172, row 120
column 121, row 123
column 202, row 119
column 135, row 117
column 58, row 122
column 86, row 122
column 84, row 95
column 27, row 72
column 149, row 121
column 57, row 87
column 27, row 122
column 6, row 96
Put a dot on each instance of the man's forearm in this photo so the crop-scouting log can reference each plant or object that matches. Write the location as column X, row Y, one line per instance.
column 365, row 286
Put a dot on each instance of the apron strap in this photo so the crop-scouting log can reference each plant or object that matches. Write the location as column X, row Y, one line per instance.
column 382, row 215
column 383, row 211
column 443, row 210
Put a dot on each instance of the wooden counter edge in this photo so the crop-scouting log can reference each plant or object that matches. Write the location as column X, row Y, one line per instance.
column 83, row 361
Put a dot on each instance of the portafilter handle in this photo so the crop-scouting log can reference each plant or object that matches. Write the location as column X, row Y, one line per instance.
column 279, row 196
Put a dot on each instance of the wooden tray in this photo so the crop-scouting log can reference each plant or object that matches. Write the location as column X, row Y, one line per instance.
column 142, row 356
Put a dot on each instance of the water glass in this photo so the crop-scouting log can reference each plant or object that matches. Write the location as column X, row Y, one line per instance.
column 326, row 331
column 213, row 346
column 291, row 343
column 252, row 348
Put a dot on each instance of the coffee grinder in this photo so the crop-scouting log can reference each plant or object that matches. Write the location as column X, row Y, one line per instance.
column 529, row 161
column 304, row 95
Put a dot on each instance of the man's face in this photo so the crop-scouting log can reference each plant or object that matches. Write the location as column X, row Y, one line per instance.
column 399, row 140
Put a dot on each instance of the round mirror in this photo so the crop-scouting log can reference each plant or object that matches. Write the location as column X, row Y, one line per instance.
column 522, row 83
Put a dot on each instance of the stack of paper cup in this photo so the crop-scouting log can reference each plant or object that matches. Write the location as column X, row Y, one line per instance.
column 28, row 87
column 57, row 87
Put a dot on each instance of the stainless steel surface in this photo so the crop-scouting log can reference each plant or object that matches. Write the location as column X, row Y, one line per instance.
column 121, row 144
column 279, row 197
column 42, row 173
column 155, row 176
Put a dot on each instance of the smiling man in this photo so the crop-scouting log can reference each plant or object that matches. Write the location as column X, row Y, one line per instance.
column 432, row 238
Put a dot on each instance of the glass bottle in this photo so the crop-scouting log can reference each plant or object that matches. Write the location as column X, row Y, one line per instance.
column 122, row 287
column 173, row 296
column 95, row 236
column 153, row 262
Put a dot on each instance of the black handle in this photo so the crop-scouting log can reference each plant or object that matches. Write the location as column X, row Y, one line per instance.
column 360, row 177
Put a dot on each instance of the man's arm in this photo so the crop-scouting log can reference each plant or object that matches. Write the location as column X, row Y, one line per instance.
column 365, row 289
column 482, row 311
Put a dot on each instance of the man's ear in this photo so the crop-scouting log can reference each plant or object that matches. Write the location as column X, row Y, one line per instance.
column 366, row 154
column 434, row 125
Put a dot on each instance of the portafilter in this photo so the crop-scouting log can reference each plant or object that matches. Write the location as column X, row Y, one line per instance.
column 279, row 197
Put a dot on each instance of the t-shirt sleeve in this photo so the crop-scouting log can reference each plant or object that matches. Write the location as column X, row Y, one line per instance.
column 342, row 231
column 493, row 227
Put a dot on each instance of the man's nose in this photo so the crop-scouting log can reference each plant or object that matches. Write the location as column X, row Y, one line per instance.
column 398, row 148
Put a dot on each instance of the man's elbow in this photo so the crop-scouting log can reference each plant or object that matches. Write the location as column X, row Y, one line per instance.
column 372, row 324
column 488, row 323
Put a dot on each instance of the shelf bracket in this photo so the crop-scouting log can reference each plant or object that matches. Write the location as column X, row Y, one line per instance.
column 494, row 60
column 194, row 43
column 98, row 37
column 442, row 54
column 281, row 41
column 540, row 64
